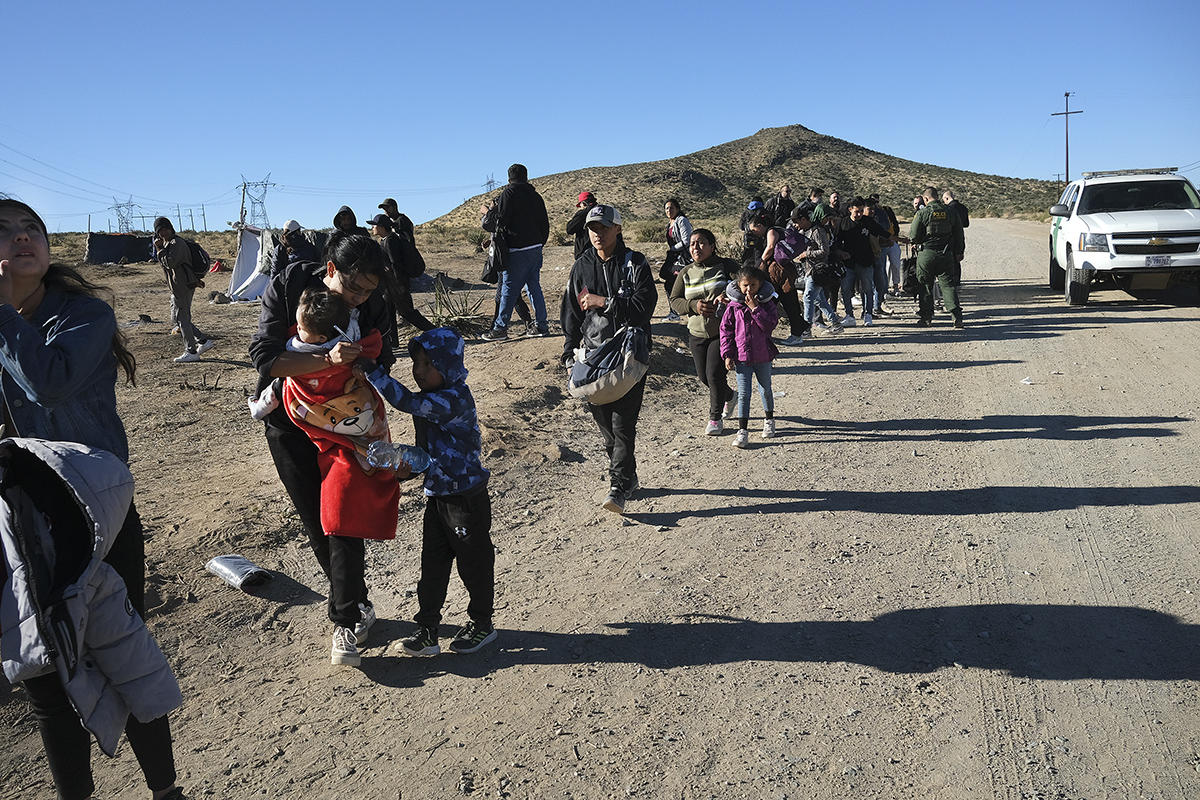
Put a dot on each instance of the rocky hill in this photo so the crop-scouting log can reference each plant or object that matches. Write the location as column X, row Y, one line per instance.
column 717, row 182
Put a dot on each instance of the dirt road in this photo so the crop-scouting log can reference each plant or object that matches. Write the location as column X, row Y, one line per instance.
column 967, row 568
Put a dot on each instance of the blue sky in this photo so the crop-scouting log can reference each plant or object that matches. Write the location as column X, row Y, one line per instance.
column 174, row 103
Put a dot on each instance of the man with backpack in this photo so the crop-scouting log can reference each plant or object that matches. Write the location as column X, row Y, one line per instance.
column 938, row 230
column 184, row 265
column 521, row 218
column 781, row 206
column 405, row 264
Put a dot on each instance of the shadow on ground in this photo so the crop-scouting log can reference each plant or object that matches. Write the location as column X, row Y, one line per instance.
column 1043, row 642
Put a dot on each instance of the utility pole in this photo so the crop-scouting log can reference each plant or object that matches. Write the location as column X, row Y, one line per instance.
column 242, row 213
column 192, row 219
column 89, row 223
column 203, row 219
column 1066, row 115
column 178, row 217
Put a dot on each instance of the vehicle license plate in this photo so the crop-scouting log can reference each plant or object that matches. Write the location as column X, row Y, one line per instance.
column 1158, row 261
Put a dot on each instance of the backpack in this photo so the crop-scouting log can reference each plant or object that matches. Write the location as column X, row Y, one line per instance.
column 791, row 245
column 200, row 261
column 414, row 263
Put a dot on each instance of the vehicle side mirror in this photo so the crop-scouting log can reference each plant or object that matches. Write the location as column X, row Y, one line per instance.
column 1059, row 210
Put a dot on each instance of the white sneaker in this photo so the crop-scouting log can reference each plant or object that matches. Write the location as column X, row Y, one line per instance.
column 856, row 300
column 730, row 406
column 345, row 648
column 187, row 358
column 768, row 429
column 205, row 346
column 714, row 427
column 366, row 619
column 848, row 321
column 867, row 321
column 742, row 439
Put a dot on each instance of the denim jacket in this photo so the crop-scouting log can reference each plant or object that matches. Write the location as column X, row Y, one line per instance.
column 59, row 372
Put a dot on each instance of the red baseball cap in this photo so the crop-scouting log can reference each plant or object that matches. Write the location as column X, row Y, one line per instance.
column 584, row 197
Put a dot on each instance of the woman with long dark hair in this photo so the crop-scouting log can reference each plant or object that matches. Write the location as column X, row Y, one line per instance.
column 60, row 350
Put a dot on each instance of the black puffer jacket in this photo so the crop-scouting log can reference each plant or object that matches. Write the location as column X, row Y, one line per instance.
column 521, row 216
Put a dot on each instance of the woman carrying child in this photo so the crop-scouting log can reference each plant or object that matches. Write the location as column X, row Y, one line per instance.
column 353, row 269
column 699, row 295
column 747, row 348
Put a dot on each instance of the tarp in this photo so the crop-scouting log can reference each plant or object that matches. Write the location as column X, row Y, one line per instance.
column 254, row 261
column 115, row 248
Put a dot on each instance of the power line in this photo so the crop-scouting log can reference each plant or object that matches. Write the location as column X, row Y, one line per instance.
column 48, row 188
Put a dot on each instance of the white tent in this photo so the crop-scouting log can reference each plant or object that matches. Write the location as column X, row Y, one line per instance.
column 255, row 256
column 252, row 266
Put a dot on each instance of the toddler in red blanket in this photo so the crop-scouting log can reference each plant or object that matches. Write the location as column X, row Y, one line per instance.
column 342, row 415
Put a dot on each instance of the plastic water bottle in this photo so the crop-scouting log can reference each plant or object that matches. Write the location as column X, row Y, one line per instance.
column 384, row 455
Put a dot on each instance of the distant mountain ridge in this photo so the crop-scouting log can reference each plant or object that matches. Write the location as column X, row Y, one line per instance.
column 718, row 181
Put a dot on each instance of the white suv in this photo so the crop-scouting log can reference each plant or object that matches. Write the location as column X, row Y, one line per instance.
column 1133, row 228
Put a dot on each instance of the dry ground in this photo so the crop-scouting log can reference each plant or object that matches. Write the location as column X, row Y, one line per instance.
column 940, row 581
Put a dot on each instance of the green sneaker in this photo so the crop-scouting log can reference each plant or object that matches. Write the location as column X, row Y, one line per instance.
column 473, row 636
column 422, row 643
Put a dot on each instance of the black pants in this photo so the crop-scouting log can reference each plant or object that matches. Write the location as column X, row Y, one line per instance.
column 618, row 426
column 406, row 309
column 457, row 528
column 68, row 744
column 795, row 313
column 710, row 370
column 342, row 558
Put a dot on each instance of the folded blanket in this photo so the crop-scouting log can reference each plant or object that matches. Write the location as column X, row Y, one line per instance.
column 343, row 415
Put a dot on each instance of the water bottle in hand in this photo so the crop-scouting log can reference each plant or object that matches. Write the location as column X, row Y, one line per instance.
column 385, row 455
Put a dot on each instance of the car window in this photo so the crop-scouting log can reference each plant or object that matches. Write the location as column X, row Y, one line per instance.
column 1072, row 196
column 1137, row 196
column 1063, row 200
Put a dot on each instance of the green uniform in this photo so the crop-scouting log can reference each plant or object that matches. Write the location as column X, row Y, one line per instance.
column 939, row 232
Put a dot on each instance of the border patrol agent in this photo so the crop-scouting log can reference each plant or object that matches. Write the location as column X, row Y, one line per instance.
column 938, row 230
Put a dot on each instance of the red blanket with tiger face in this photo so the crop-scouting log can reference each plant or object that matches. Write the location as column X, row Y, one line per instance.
column 343, row 415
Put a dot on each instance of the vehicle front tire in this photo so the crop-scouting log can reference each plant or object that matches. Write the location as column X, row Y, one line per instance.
column 1076, row 289
column 1058, row 275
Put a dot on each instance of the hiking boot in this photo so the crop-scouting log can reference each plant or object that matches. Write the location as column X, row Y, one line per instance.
column 473, row 636
column 423, row 643
column 742, row 438
column 768, row 429
column 615, row 502
column 366, row 618
column 187, row 358
column 345, row 648
column 205, row 346
column 715, row 427
column 495, row 334
column 848, row 321
column 867, row 321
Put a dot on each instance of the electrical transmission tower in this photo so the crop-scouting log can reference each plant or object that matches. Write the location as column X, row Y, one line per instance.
column 256, row 193
column 490, row 183
column 124, row 214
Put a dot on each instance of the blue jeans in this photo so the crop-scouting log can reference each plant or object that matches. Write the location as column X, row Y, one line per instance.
column 814, row 299
column 881, row 279
column 524, row 270
column 865, row 276
column 744, row 374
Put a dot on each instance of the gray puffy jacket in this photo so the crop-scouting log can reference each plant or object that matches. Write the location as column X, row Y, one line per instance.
column 62, row 609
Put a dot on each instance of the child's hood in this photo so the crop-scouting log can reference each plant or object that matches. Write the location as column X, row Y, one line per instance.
column 765, row 292
column 445, row 350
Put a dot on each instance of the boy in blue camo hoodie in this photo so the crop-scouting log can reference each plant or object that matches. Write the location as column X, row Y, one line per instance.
column 458, row 514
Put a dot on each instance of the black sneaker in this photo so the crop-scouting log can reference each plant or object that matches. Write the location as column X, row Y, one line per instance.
column 495, row 335
column 923, row 323
column 423, row 643
column 615, row 502
column 473, row 636
column 958, row 323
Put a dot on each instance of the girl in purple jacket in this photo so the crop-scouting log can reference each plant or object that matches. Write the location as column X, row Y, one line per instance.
column 746, row 345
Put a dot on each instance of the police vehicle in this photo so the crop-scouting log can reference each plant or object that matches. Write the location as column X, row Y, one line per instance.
column 1132, row 229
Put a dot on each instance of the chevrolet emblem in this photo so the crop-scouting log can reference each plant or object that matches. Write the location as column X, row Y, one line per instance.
column 1158, row 241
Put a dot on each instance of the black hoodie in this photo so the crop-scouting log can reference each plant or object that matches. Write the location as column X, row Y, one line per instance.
column 346, row 214
column 521, row 216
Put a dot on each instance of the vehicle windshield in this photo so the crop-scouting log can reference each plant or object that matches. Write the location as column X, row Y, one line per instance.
column 1140, row 196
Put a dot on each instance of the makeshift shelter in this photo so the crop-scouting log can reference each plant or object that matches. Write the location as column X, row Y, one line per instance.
column 117, row 248
column 255, row 259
